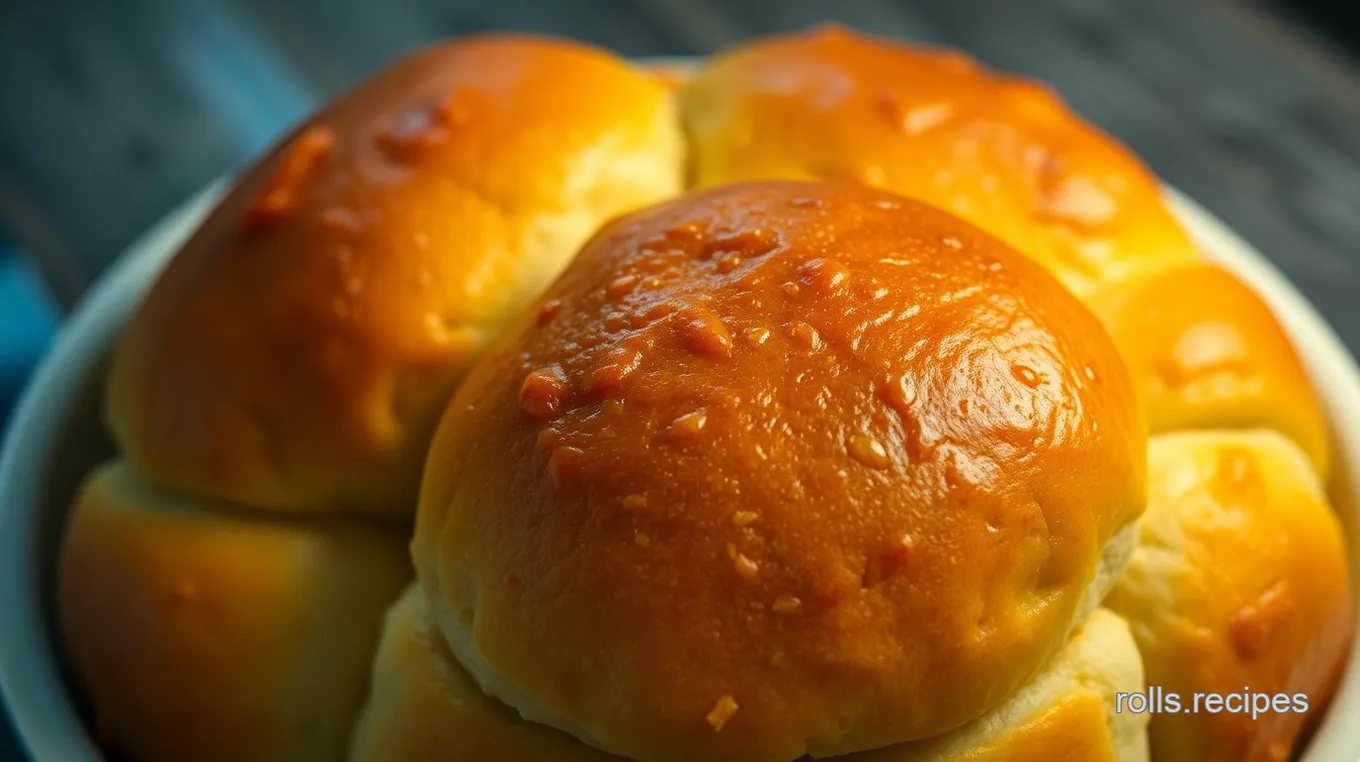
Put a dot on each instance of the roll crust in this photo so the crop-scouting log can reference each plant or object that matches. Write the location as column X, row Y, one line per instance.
column 425, row 708
column 1001, row 152
column 1069, row 713
column 1239, row 582
column 203, row 633
column 1207, row 353
column 771, row 464
column 297, row 352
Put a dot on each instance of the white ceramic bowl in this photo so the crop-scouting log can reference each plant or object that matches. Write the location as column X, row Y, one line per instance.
column 56, row 435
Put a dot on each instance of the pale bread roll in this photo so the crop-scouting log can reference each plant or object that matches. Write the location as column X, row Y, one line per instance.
column 1239, row 582
column 202, row 632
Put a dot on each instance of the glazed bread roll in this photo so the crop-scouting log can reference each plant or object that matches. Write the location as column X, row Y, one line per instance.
column 202, row 633
column 1239, row 584
column 424, row 707
column 297, row 352
column 1002, row 153
column 1207, row 353
column 770, row 466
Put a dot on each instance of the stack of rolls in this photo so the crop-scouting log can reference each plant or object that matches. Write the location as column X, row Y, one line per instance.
column 1240, row 582
column 1239, row 587
column 842, row 400
column 222, row 583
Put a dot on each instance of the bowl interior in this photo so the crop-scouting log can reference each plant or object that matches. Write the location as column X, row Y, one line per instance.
column 57, row 435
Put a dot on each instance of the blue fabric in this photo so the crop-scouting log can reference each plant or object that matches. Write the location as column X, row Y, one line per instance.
column 28, row 321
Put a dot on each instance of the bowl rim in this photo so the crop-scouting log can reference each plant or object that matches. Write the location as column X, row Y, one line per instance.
column 43, row 712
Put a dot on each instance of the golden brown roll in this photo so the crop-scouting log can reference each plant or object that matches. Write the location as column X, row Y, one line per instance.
column 297, row 352
column 1239, row 585
column 1070, row 712
column 424, row 707
column 1001, row 152
column 1207, row 353
column 202, row 633
column 770, row 466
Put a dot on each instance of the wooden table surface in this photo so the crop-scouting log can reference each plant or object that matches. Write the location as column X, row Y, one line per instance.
column 113, row 112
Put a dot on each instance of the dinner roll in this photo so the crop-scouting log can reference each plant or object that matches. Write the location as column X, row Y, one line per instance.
column 772, row 464
column 206, row 634
column 1239, row 584
column 425, row 708
column 1206, row 352
column 1071, row 712
column 298, row 350
column 1001, row 152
